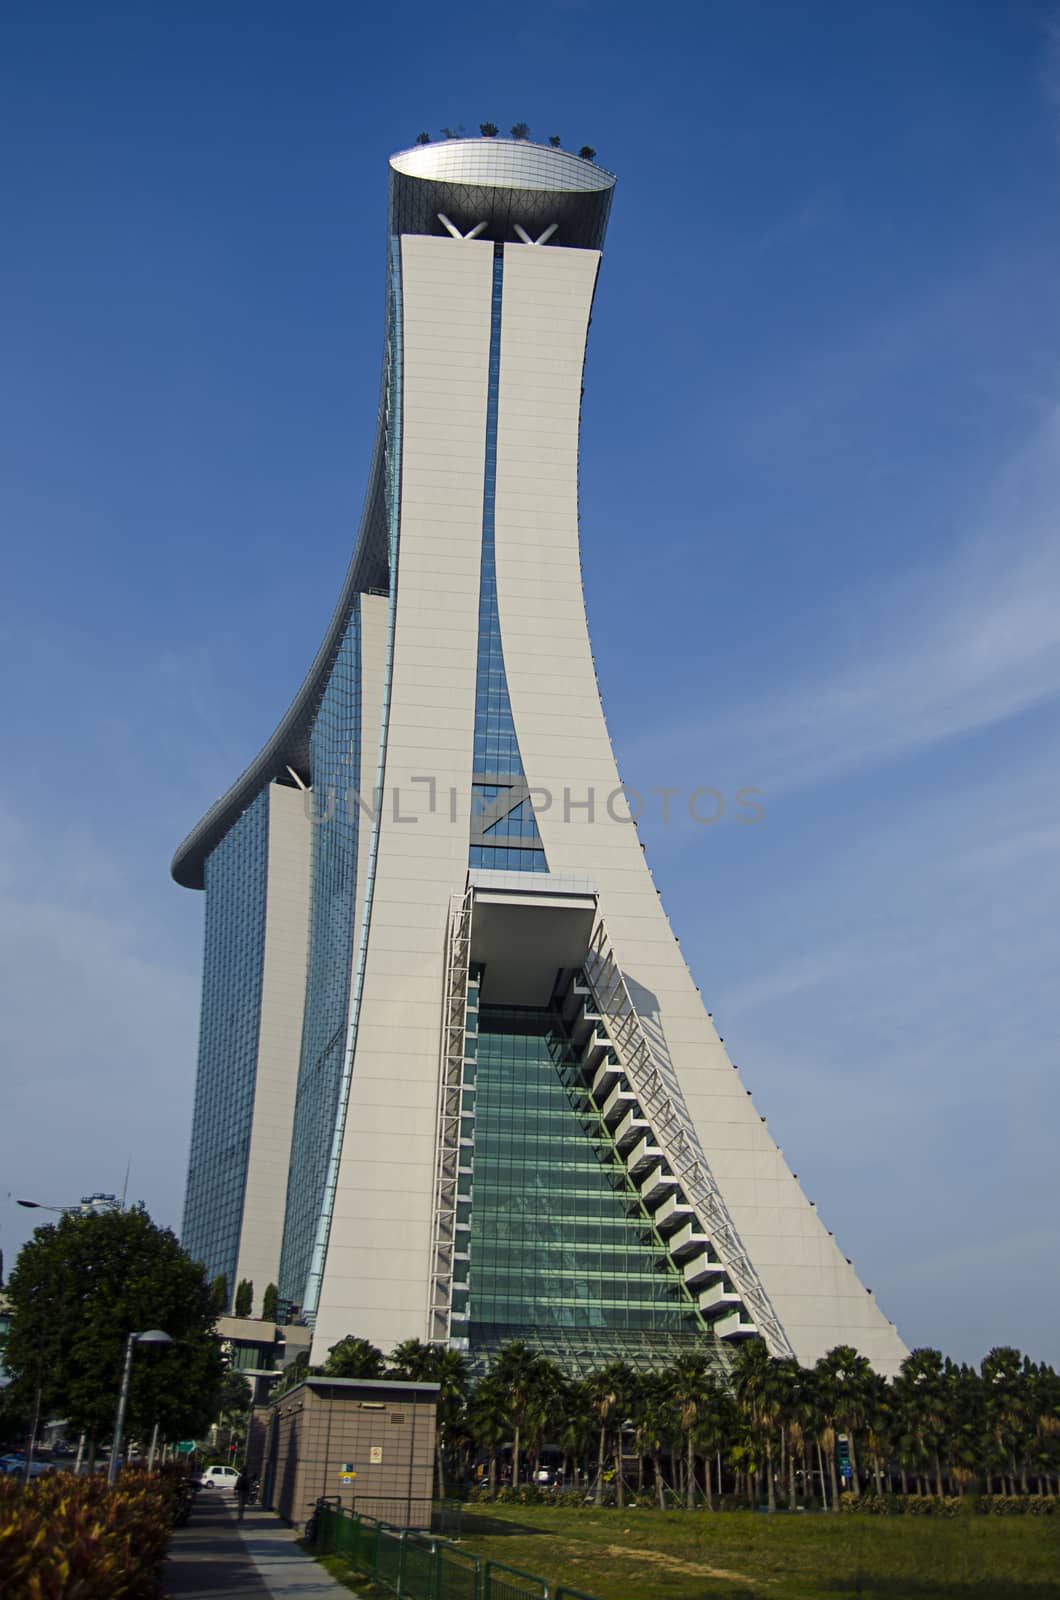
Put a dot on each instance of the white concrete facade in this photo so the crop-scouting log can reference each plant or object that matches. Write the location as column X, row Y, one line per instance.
column 378, row 1259
column 279, row 1036
column 565, row 748
column 419, row 645
column 375, row 1279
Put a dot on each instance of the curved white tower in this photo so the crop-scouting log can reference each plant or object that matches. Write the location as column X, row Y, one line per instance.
column 456, row 1081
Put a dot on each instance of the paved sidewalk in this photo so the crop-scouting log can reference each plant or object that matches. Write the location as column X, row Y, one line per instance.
column 217, row 1558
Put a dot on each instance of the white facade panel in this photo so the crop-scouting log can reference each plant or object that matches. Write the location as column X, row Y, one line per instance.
column 279, row 1038
column 446, row 287
column 547, row 301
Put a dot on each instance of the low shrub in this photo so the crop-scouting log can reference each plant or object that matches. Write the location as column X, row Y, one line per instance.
column 1017, row 1505
column 64, row 1537
column 904, row 1505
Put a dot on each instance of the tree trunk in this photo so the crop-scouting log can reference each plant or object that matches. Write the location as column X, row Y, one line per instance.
column 709, row 1503
column 793, row 1493
column 834, row 1477
column 690, row 1474
column 904, row 1480
column 659, row 1494
column 771, row 1494
column 515, row 1459
column 493, row 1472
column 940, row 1493
column 80, row 1456
column 640, row 1472
column 855, row 1487
column 599, row 1496
column 440, row 1461
column 620, row 1476
column 820, row 1476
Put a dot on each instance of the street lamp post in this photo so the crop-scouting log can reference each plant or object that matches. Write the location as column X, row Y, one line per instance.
column 151, row 1336
column 90, row 1205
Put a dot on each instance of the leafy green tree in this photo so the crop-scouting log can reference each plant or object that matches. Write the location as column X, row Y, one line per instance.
column 219, row 1295
column 79, row 1288
column 587, row 152
column 294, row 1373
column 488, row 130
column 520, row 130
column 270, row 1303
column 244, row 1298
column 423, row 138
column 234, row 1400
column 554, row 140
column 354, row 1358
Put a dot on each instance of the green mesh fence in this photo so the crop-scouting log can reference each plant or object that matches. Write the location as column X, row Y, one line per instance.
column 418, row 1574
column 509, row 1583
column 459, row 1574
column 419, row 1566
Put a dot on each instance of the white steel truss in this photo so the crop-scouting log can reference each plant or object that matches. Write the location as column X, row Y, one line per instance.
column 451, row 1070
column 673, row 1130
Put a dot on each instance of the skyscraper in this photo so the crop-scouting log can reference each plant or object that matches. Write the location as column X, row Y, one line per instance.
column 455, row 1079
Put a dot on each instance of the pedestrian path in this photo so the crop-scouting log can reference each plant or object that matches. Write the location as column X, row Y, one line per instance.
column 214, row 1557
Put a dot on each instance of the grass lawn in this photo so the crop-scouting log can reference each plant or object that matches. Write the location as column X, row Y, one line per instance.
column 644, row 1554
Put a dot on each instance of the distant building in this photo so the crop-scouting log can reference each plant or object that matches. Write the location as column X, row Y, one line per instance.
column 455, row 1079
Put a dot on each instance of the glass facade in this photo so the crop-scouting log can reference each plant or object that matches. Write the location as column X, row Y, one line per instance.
column 335, row 746
column 236, row 872
column 555, row 1236
column 514, row 842
column 341, row 910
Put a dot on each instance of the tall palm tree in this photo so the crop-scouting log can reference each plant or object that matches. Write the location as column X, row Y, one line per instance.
column 794, row 1411
column 487, row 1418
column 611, row 1390
column 658, row 1423
column 759, row 1386
column 691, row 1382
column 847, row 1379
column 518, row 1374
column 576, row 1429
column 418, row 1362
column 923, row 1390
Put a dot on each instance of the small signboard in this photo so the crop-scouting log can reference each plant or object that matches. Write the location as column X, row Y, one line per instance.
column 375, row 1454
column 184, row 1447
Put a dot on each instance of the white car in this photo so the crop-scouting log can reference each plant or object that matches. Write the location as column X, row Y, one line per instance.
column 219, row 1478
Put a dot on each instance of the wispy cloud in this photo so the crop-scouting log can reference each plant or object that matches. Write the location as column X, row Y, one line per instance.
column 949, row 650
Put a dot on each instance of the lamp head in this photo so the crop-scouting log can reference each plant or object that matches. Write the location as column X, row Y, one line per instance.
column 152, row 1336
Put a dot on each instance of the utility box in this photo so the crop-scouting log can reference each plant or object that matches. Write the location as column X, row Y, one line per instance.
column 368, row 1442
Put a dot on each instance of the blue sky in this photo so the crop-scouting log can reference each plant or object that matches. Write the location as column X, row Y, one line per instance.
column 820, row 486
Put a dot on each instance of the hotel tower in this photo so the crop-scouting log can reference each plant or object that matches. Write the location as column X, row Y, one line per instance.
column 455, row 1079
